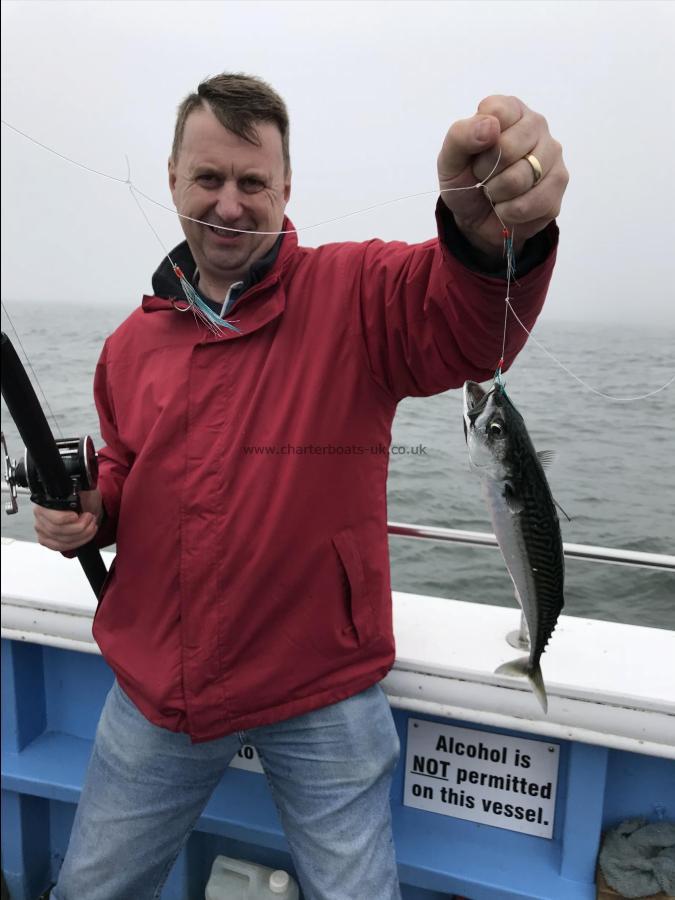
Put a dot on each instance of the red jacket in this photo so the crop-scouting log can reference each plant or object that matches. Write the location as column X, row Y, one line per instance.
column 251, row 585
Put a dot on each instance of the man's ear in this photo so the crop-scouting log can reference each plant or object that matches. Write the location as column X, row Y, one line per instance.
column 172, row 176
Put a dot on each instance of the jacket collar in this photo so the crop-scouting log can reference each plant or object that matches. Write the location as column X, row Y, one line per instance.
column 166, row 285
column 252, row 315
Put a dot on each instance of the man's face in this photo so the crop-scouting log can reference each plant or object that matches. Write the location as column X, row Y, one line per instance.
column 224, row 180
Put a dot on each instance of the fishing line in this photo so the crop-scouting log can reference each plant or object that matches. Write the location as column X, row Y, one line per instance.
column 30, row 366
column 576, row 377
column 510, row 275
column 196, row 305
column 357, row 212
column 508, row 252
column 174, row 212
column 202, row 311
column 61, row 156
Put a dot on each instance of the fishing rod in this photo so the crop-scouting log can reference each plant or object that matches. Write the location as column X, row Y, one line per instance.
column 55, row 471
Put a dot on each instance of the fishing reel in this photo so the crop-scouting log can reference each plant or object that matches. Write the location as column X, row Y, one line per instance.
column 79, row 458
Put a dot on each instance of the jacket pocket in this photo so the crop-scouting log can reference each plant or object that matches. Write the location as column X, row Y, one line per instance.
column 360, row 607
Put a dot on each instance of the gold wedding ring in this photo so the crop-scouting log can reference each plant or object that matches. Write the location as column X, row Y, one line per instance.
column 537, row 171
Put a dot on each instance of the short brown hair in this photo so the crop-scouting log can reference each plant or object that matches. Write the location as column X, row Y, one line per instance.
column 239, row 102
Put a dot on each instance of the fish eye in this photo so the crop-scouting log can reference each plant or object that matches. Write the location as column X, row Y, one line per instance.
column 495, row 429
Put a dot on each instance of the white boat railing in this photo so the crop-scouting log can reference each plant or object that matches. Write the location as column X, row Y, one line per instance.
column 572, row 551
column 485, row 539
column 608, row 683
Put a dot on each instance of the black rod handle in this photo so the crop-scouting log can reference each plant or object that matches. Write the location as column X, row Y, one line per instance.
column 94, row 568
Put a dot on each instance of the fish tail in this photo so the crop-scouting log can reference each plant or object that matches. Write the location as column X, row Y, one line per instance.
column 536, row 680
column 520, row 668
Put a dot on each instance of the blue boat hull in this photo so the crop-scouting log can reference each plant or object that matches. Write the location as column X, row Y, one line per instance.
column 52, row 698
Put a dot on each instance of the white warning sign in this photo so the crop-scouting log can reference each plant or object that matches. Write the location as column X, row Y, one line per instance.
column 489, row 778
column 247, row 758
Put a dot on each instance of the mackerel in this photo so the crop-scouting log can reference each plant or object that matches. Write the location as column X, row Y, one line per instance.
column 524, row 517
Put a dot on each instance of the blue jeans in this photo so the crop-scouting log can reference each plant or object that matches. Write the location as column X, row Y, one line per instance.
column 329, row 772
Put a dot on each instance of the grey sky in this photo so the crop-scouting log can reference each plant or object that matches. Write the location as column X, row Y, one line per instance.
column 372, row 89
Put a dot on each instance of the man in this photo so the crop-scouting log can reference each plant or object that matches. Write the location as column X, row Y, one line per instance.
column 243, row 484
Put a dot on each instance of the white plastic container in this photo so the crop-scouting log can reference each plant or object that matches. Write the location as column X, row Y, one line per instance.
column 237, row 879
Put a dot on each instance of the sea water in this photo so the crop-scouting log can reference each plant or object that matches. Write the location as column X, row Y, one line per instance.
column 614, row 472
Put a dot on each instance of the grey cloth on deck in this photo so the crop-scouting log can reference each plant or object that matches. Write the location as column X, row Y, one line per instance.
column 639, row 859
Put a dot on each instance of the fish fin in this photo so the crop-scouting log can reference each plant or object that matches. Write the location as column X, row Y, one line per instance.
column 561, row 510
column 513, row 502
column 520, row 668
column 546, row 458
column 517, row 668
